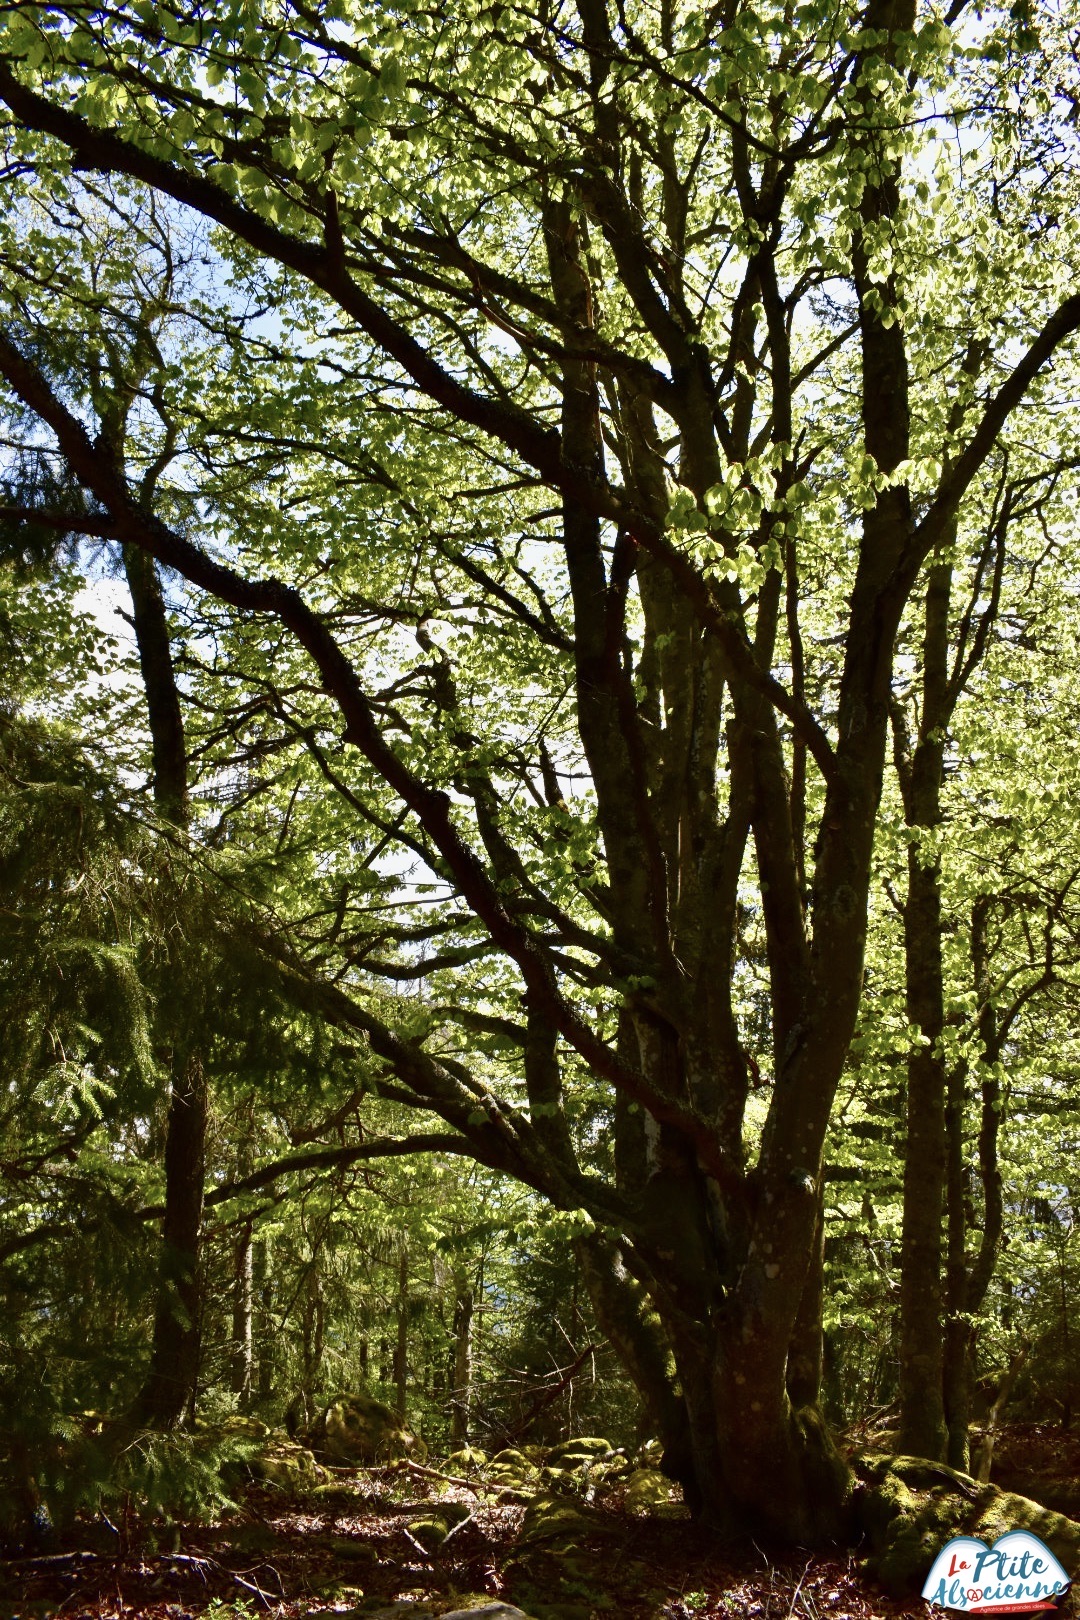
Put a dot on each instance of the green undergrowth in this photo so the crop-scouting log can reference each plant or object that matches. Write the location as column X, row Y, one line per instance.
column 91, row 1466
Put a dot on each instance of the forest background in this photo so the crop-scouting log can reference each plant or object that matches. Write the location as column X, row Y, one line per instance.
column 559, row 908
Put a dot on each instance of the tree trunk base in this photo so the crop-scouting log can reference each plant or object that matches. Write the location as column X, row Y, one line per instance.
column 790, row 1482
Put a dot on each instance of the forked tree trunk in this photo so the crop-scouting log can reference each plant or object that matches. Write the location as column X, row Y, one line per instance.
column 737, row 1413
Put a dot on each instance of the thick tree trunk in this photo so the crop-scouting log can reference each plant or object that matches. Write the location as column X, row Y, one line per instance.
column 806, row 1357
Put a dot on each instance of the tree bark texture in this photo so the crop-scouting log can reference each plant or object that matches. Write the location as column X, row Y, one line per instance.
column 923, row 1431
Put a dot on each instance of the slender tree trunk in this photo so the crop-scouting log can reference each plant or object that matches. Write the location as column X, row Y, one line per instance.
column 242, row 1340
column 401, row 1344
column 923, row 1429
column 1005, row 1389
column 956, row 1367
column 264, row 1289
column 314, row 1319
column 168, row 1393
column 967, row 1283
column 462, row 1388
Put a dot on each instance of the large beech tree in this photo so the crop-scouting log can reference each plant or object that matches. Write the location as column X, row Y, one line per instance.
column 568, row 409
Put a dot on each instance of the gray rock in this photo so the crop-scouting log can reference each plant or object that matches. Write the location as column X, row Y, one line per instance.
column 490, row 1611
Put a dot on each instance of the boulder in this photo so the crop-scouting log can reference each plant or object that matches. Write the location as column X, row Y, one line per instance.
column 468, row 1458
column 574, row 1453
column 486, row 1611
column 251, row 1428
column 909, row 1508
column 254, row 1451
column 282, row 1462
column 357, row 1429
column 561, row 1520
column 650, row 1491
column 512, row 1467
column 432, row 1529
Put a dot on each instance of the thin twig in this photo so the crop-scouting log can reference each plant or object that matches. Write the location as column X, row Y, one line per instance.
column 798, row 1589
column 455, row 1479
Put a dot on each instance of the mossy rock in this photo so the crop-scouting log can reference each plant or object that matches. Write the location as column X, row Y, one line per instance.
column 433, row 1528
column 650, row 1491
column 262, row 1454
column 358, row 1429
column 512, row 1467
column 909, row 1508
column 252, row 1428
column 468, row 1458
column 338, row 1494
column 287, row 1465
column 510, row 1457
column 351, row 1551
column 560, row 1520
column 575, row 1452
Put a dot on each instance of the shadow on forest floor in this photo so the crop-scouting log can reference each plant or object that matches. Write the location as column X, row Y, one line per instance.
column 352, row 1552
column 405, row 1542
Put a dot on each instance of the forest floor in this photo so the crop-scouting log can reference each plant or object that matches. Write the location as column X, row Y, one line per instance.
column 352, row 1554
